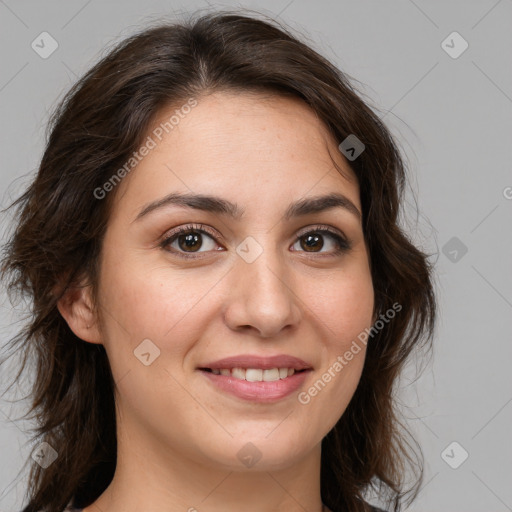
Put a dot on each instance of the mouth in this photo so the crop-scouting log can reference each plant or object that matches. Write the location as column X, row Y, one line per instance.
column 255, row 385
column 257, row 378
column 255, row 374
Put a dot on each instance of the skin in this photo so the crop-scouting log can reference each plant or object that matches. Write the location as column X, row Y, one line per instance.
column 178, row 435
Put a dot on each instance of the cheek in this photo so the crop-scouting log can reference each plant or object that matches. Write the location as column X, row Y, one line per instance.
column 169, row 307
column 163, row 303
column 344, row 303
column 343, row 307
column 343, row 310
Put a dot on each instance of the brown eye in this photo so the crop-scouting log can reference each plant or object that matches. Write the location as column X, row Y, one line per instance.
column 313, row 242
column 189, row 239
column 187, row 242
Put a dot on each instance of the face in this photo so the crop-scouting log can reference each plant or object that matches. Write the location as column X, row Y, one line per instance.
column 260, row 284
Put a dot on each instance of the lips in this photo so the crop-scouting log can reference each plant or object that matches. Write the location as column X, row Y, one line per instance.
column 257, row 378
column 258, row 362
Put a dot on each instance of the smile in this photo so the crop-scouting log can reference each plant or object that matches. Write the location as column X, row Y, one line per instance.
column 254, row 374
column 256, row 384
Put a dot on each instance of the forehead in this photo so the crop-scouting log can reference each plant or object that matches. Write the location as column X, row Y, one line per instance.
column 242, row 146
column 241, row 124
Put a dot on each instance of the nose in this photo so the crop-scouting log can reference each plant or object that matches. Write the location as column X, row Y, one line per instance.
column 261, row 297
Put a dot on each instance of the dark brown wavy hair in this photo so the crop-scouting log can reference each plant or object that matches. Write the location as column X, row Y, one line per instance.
column 59, row 228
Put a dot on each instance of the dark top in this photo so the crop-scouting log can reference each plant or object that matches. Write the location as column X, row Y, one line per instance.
column 373, row 509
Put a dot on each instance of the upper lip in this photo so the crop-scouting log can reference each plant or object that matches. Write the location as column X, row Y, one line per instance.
column 265, row 363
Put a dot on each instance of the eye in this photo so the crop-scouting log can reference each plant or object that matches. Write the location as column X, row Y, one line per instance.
column 313, row 239
column 186, row 241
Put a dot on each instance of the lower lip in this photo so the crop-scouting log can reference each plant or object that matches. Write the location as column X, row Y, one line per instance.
column 258, row 391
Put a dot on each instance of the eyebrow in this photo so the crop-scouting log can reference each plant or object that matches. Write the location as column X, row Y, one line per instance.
column 218, row 205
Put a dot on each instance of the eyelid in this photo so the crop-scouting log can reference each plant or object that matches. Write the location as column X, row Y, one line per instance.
column 185, row 228
column 320, row 228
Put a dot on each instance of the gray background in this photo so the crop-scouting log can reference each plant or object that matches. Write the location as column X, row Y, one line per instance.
column 452, row 117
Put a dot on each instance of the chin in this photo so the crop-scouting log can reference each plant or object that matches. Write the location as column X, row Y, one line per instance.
column 258, row 452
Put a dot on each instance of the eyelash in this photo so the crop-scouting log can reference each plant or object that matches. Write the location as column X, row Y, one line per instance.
column 343, row 245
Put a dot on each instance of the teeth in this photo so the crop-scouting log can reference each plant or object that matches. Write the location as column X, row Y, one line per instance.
column 270, row 375
column 256, row 374
column 252, row 374
column 238, row 373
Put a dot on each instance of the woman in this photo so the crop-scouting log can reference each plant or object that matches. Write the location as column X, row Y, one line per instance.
column 223, row 298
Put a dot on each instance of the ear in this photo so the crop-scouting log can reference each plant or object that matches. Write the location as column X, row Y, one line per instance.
column 76, row 307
